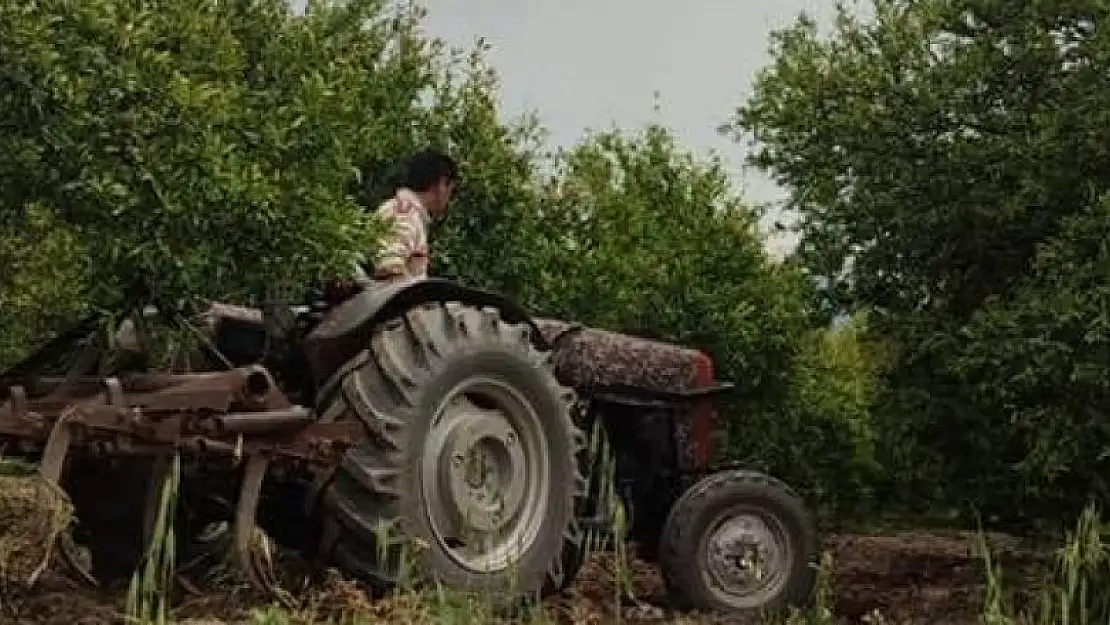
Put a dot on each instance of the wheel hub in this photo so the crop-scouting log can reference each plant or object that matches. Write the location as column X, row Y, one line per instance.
column 747, row 557
column 485, row 475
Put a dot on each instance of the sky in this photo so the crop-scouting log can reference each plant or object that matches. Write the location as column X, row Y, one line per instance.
column 592, row 64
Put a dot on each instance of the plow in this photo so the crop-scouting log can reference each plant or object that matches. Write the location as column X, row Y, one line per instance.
column 420, row 432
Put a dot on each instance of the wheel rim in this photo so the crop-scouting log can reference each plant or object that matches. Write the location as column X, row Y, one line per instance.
column 746, row 556
column 485, row 475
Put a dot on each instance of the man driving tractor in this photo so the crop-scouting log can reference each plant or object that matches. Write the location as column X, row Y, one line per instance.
column 425, row 194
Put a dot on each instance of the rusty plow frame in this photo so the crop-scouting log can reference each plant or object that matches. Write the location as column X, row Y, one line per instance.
column 239, row 414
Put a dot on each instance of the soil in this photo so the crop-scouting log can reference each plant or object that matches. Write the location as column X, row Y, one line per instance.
column 907, row 577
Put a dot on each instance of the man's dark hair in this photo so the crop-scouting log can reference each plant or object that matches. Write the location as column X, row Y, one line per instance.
column 426, row 168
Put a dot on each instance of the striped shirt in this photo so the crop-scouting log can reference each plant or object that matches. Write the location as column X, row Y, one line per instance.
column 404, row 251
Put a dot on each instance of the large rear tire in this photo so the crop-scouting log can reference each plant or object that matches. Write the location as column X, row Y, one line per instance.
column 471, row 477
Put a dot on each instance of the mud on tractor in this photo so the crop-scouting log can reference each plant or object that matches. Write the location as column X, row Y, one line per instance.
column 446, row 416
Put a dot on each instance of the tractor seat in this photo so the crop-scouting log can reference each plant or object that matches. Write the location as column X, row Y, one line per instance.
column 220, row 315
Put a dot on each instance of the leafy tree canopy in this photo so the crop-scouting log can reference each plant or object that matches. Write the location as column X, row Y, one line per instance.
column 212, row 147
column 949, row 159
column 637, row 234
column 936, row 145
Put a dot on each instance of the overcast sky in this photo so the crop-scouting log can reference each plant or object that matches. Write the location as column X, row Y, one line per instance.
column 592, row 63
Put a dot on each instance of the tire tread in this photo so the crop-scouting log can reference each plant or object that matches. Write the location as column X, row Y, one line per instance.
column 403, row 354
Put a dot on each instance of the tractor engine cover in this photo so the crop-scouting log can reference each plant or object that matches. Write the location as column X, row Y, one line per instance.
column 594, row 358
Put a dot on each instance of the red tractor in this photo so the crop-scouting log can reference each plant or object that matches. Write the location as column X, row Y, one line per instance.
column 424, row 431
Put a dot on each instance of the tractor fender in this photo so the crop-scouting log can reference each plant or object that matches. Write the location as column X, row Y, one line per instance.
column 346, row 329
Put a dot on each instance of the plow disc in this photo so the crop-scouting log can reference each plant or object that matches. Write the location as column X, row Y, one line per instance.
column 237, row 420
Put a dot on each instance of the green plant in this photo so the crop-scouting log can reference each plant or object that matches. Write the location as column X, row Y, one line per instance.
column 148, row 595
column 1074, row 592
column 826, row 423
column 821, row 611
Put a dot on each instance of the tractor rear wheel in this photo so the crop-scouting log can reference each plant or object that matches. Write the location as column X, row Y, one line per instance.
column 471, row 476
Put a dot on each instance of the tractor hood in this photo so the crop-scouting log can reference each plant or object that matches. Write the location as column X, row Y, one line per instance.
column 594, row 358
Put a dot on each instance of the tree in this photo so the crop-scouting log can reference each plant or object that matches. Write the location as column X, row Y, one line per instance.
column 213, row 147
column 491, row 231
column 939, row 147
column 826, row 420
column 634, row 234
column 639, row 236
column 43, row 282
column 1036, row 363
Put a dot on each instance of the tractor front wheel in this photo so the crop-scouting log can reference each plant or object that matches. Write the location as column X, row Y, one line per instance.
column 739, row 541
column 471, row 477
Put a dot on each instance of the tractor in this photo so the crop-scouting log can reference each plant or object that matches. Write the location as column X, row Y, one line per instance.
column 423, row 431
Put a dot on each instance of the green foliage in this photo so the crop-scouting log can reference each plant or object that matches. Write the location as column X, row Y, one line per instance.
column 488, row 237
column 952, row 138
column 213, row 147
column 201, row 143
column 1073, row 591
column 825, row 424
column 637, row 235
column 1036, row 365
column 941, row 156
column 151, row 584
column 42, row 284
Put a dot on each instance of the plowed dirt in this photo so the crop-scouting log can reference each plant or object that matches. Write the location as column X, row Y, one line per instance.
column 908, row 578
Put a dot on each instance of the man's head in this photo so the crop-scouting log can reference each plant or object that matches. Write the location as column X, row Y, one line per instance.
column 432, row 175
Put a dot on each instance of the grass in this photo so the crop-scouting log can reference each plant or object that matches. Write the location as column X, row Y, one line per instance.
column 147, row 595
column 1075, row 590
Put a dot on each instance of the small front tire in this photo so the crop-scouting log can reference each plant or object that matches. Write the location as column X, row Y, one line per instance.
column 739, row 541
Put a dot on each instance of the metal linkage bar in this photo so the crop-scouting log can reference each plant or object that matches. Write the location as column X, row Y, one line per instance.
column 240, row 411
